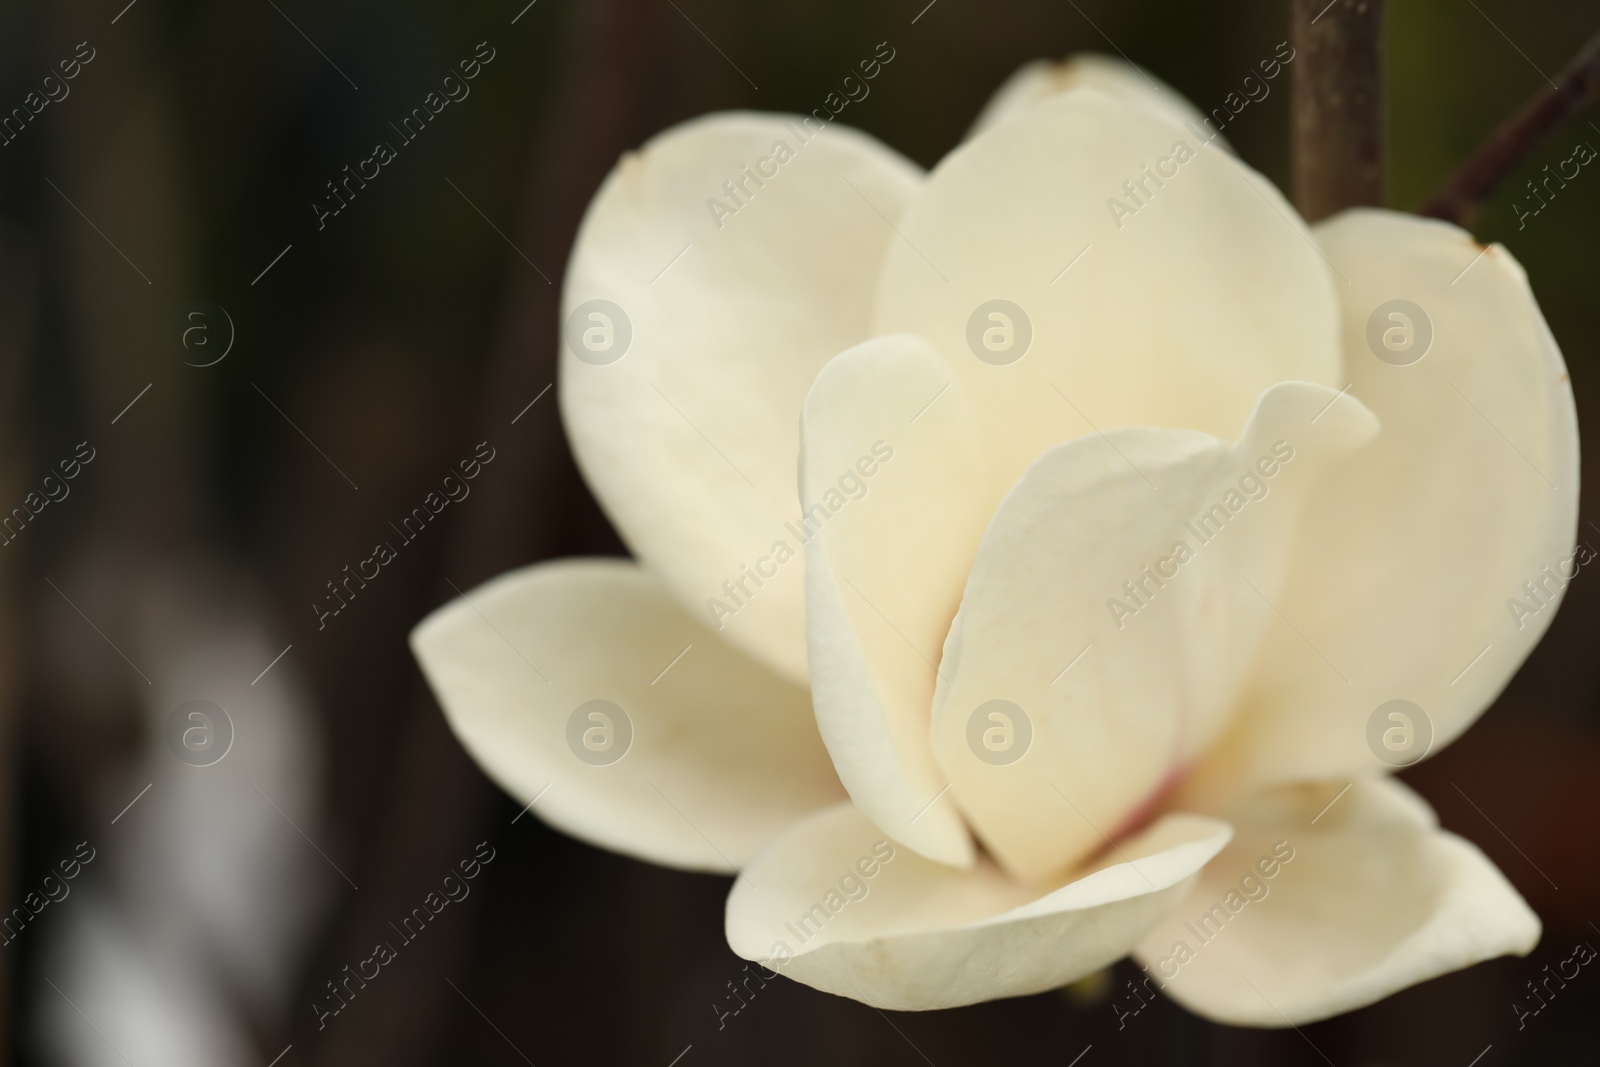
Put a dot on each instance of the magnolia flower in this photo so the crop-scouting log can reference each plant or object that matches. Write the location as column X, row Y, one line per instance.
column 1142, row 530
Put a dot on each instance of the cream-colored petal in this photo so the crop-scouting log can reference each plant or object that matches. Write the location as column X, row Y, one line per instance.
column 1411, row 564
column 834, row 904
column 688, row 437
column 1042, row 79
column 1178, row 313
column 1296, row 921
column 701, row 756
column 886, row 558
column 1114, row 610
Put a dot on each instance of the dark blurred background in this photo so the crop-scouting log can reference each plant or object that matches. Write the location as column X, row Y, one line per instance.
column 373, row 353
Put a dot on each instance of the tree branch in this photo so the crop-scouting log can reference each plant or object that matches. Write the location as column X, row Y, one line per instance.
column 1337, row 125
column 1576, row 87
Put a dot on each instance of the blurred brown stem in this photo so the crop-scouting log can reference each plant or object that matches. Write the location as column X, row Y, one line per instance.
column 1576, row 87
column 1337, row 124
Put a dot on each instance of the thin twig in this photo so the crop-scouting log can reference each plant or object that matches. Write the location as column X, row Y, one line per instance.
column 1575, row 88
column 1337, row 124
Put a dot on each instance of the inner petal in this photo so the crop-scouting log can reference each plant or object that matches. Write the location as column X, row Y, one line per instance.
column 1118, row 598
column 1094, row 266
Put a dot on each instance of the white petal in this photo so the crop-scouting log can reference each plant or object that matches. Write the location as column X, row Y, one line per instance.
column 1410, row 562
column 884, row 570
column 1042, row 79
column 1115, row 608
column 689, row 438
column 836, row 906
column 1371, row 898
column 1179, row 315
column 723, row 753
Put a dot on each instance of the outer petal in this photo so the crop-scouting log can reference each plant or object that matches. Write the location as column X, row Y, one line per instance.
column 884, row 572
column 1370, row 899
column 723, row 753
column 1412, row 564
column 1043, row 79
column 836, row 906
column 1115, row 607
column 1178, row 315
column 688, row 438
